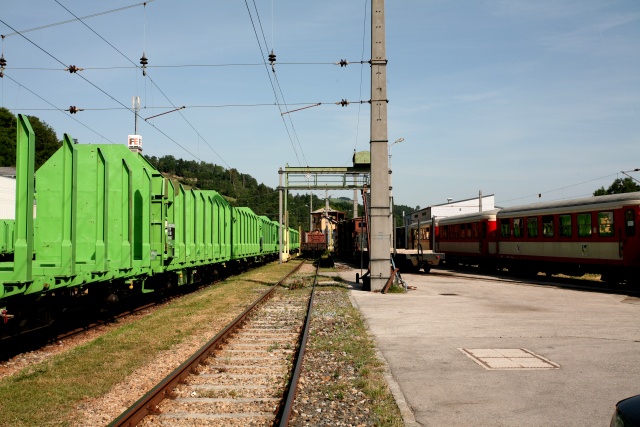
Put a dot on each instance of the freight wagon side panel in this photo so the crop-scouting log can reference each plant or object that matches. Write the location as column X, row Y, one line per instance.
column 56, row 204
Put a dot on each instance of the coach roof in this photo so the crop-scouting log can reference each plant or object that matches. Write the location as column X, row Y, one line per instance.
column 573, row 205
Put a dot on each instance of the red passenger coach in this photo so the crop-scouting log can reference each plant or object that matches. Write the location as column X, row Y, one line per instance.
column 468, row 239
column 588, row 235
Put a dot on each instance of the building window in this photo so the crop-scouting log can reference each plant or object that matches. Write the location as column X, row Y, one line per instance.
column 547, row 226
column 605, row 223
column 518, row 224
column 565, row 225
column 504, row 228
column 532, row 227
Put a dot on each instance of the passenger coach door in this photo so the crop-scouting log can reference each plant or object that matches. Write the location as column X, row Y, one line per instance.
column 483, row 237
column 631, row 241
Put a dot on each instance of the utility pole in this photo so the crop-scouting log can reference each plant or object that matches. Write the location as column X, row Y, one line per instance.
column 135, row 102
column 355, row 197
column 280, row 222
column 327, row 230
column 379, row 264
column 310, row 212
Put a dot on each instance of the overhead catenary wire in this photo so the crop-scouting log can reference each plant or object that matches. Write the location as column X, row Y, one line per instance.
column 173, row 140
column 364, row 33
column 62, row 63
column 189, row 123
column 561, row 188
column 275, row 76
column 295, row 133
column 262, row 54
column 135, row 66
column 154, row 84
column 59, row 109
column 159, row 107
column 68, row 21
column 101, row 90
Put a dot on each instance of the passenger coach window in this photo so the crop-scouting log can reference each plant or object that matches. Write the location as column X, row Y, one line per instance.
column 504, row 228
column 605, row 223
column 629, row 223
column 517, row 227
column 547, row 226
column 532, row 227
column 565, row 225
column 474, row 227
column 584, row 225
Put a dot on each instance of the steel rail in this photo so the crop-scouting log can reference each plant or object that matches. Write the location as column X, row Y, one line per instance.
column 284, row 412
column 148, row 403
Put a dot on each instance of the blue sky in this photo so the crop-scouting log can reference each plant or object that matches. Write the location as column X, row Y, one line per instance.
column 514, row 98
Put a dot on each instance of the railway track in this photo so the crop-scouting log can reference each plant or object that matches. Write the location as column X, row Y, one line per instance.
column 246, row 375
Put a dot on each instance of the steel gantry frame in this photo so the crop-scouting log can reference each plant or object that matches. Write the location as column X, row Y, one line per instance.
column 379, row 214
column 315, row 178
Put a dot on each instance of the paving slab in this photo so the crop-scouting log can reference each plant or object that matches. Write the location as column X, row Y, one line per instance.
column 592, row 340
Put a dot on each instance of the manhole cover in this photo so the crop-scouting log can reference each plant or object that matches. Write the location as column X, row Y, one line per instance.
column 508, row 358
column 449, row 295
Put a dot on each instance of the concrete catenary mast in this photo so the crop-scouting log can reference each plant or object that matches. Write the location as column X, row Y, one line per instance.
column 379, row 263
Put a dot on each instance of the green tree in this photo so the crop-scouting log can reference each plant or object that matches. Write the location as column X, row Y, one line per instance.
column 46, row 140
column 397, row 214
column 620, row 185
column 7, row 138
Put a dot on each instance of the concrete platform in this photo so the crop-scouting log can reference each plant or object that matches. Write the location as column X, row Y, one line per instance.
column 427, row 336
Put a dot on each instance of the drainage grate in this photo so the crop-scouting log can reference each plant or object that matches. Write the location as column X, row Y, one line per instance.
column 508, row 358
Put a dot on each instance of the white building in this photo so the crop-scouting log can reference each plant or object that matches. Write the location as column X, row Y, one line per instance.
column 7, row 193
column 452, row 208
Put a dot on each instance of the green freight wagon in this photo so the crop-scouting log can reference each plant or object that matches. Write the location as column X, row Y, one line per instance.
column 245, row 235
column 268, row 236
column 101, row 223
